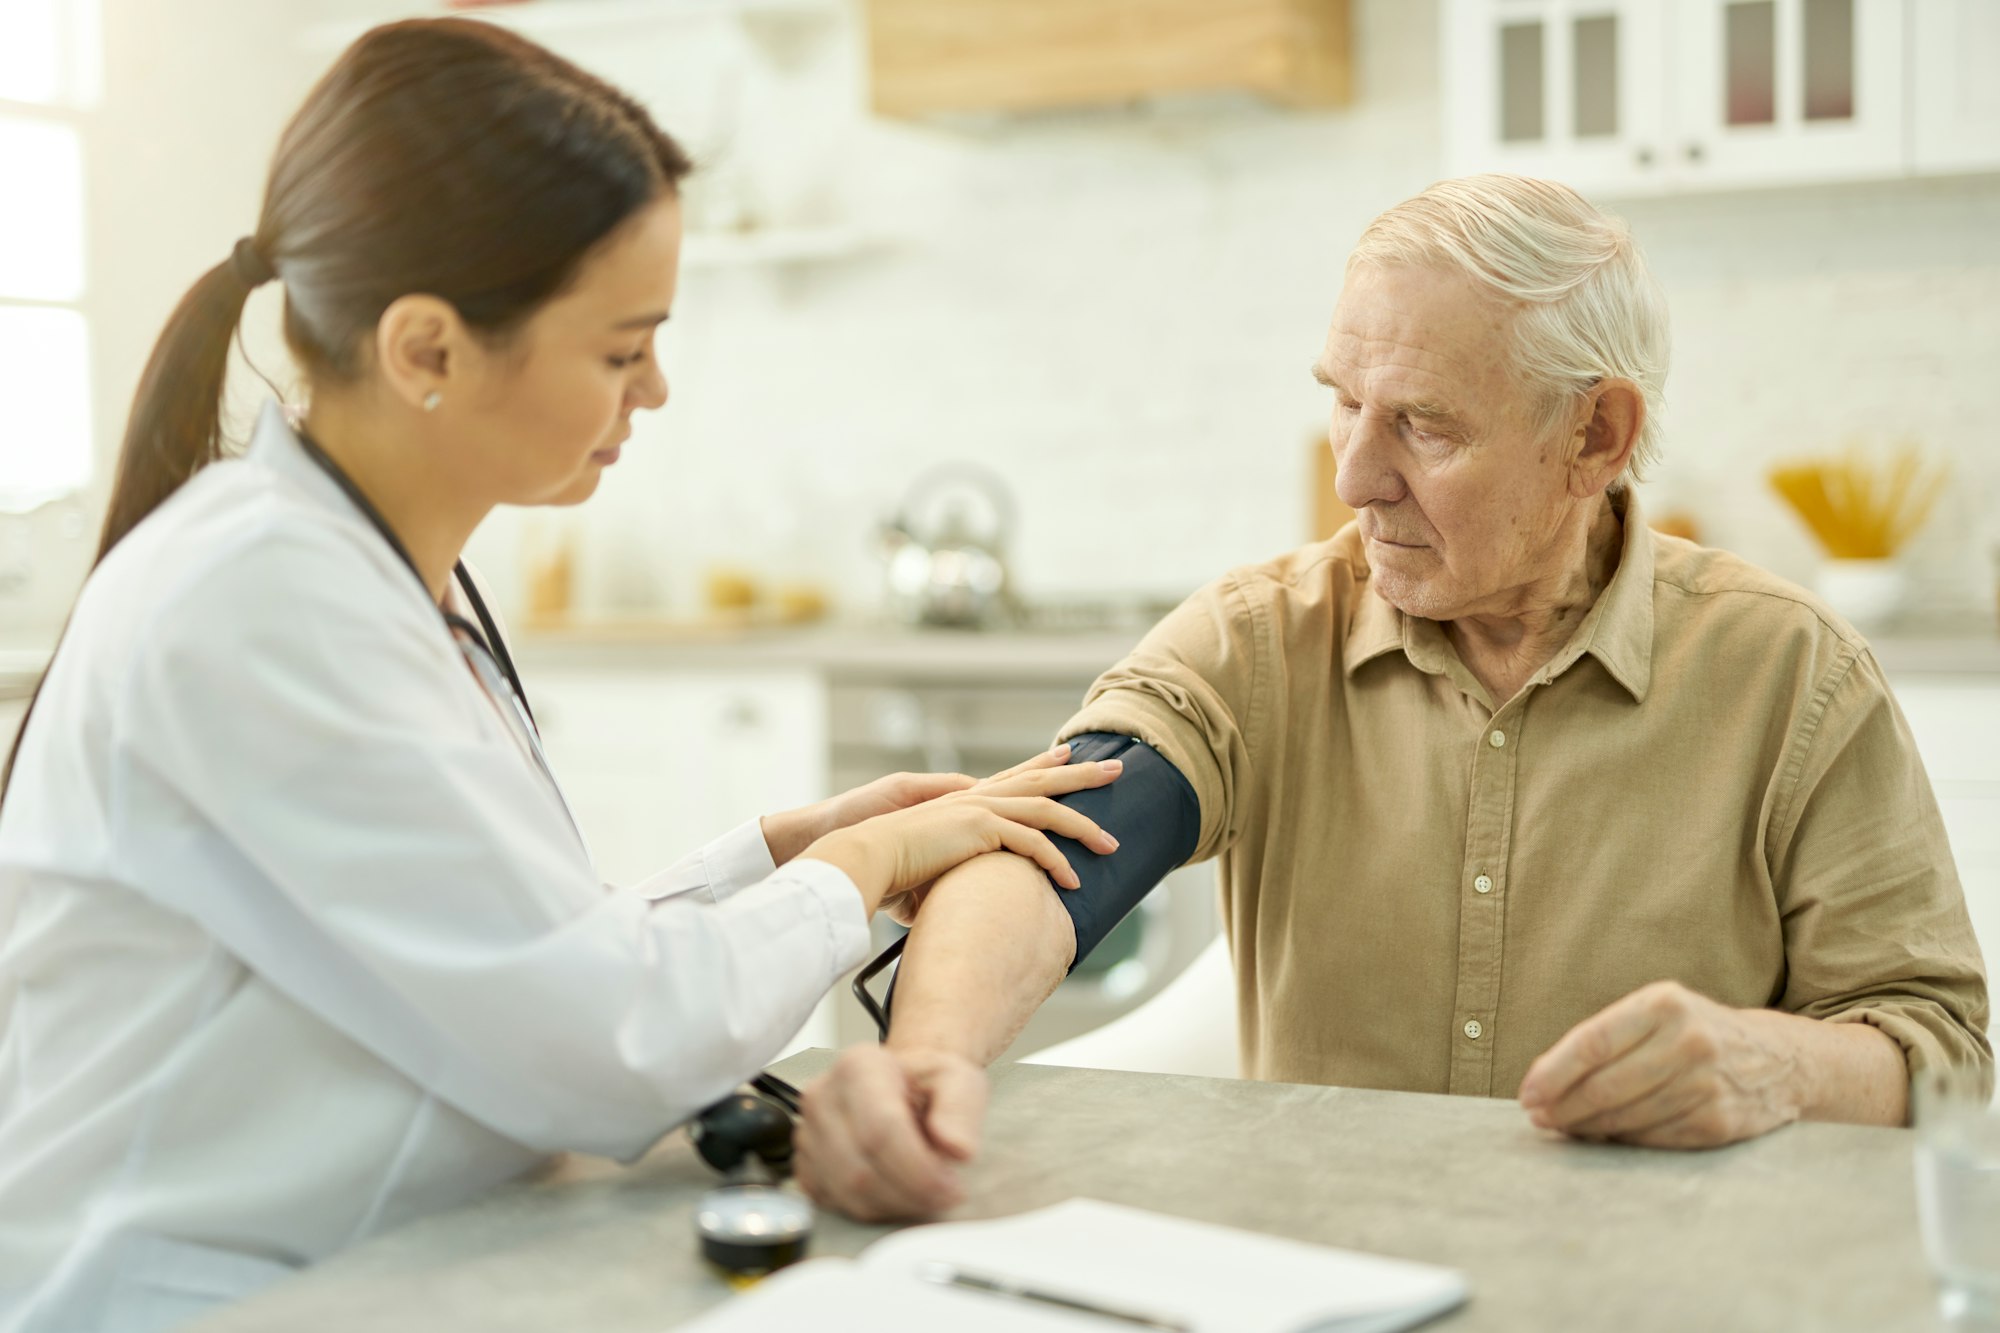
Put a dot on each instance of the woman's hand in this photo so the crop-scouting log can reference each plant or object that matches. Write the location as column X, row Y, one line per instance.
column 790, row 833
column 894, row 857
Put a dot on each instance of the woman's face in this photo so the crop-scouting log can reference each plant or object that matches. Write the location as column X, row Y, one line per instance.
column 549, row 411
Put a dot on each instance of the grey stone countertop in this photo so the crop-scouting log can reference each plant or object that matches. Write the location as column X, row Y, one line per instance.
column 1813, row 1227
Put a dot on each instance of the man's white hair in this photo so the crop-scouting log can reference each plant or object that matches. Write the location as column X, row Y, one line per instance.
column 1590, row 308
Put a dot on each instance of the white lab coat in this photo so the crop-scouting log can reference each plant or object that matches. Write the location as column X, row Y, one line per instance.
column 296, row 943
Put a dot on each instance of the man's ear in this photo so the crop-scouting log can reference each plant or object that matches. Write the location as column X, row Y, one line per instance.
column 1606, row 437
column 418, row 345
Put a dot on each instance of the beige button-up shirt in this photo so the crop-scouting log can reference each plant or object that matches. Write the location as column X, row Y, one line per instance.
column 1425, row 887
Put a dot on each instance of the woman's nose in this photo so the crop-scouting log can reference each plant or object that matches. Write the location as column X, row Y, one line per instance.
column 649, row 391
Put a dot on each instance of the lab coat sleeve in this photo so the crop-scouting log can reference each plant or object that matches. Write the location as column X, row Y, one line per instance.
column 719, row 870
column 310, row 772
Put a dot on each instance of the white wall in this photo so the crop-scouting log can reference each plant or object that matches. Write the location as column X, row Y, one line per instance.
column 1115, row 311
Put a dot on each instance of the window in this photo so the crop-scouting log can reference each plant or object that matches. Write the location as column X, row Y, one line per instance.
column 48, row 84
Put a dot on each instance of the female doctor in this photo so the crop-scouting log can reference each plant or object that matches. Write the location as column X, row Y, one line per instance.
column 299, row 938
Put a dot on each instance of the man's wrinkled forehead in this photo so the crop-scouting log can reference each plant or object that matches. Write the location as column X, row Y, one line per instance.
column 1417, row 324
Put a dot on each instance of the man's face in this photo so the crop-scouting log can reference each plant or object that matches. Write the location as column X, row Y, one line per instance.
column 1461, row 503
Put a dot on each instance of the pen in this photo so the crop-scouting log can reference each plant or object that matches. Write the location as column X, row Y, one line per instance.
column 948, row 1276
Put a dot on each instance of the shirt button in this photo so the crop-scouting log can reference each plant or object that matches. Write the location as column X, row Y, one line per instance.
column 1497, row 739
column 1483, row 884
column 1472, row 1028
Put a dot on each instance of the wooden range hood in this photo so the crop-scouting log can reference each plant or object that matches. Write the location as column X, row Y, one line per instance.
column 932, row 56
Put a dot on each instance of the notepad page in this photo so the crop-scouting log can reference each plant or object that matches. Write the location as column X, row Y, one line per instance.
column 1217, row 1279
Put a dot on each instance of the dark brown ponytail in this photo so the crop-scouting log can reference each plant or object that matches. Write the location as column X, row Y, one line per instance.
column 445, row 156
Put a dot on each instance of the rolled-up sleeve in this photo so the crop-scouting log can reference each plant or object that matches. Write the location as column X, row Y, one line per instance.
column 1875, row 924
column 1192, row 690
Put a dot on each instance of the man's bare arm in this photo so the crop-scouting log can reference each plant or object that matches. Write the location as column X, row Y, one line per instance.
column 990, row 945
column 885, row 1129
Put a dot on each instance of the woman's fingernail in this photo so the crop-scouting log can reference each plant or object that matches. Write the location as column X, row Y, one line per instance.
column 1060, row 749
column 1110, row 843
column 1113, row 765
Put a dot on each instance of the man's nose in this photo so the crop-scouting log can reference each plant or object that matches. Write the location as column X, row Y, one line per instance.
column 1364, row 463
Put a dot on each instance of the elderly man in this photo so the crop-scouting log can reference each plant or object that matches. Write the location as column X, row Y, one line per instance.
column 1513, row 796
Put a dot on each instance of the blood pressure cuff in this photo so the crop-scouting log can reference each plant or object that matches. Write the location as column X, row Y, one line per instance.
column 1152, row 811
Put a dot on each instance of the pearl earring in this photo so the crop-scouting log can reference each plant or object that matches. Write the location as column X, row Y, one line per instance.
column 431, row 400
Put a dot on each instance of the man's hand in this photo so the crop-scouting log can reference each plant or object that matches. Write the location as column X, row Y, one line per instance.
column 1668, row 1068
column 884, row 1131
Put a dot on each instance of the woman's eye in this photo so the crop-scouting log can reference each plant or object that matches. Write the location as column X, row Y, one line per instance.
column 620, row 362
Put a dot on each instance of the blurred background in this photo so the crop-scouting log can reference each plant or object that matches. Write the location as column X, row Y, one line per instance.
column 994, row 334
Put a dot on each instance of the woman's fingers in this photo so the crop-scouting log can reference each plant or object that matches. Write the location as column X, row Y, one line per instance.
column 1056, row 781
column 916, row 788
column 1055, row 758
column 1043, row 813
column 1035, row 845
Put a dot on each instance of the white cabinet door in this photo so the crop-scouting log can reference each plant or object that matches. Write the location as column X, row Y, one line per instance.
column 655, row 764
column 1571, row 90
column 1955, row 93
column 1773, row 91
column 1956, row 722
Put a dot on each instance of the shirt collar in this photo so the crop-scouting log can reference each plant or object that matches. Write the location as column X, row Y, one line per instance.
column 1617, row 630
column 274, row 444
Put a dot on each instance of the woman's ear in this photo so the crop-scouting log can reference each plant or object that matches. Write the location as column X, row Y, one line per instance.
column 420, row 344
column 1609, row 435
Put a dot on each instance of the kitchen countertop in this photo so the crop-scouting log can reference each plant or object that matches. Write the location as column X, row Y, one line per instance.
column 837, row 649
column 1812, row 1227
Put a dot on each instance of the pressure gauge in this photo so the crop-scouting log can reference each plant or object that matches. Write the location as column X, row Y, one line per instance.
column 750, row 1230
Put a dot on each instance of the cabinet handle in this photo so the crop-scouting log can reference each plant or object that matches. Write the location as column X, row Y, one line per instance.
column 1693, row 152
column 1644, row 156
column 743, row 715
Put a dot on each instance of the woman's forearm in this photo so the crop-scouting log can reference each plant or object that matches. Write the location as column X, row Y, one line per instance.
column 990, row 943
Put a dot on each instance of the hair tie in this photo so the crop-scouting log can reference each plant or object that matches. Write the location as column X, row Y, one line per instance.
column 250, row 264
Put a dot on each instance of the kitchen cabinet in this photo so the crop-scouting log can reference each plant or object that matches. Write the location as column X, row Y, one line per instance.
column 1955, row 96
column 657, row 763
column 929, row 56
column 1566, row 91
column 1635, row 97
column 1956, row 722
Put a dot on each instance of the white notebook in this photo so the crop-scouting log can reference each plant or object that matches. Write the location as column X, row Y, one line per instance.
column 1123, row 1261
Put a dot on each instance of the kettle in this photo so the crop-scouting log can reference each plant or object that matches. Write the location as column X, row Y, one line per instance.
column 947, row 567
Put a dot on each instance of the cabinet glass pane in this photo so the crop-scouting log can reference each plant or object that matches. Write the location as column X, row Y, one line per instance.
column 1829, row 59
column 41, row 210
column 1596, row 82
column 1750, row 57
column 1520, row 82
column 44, row 405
